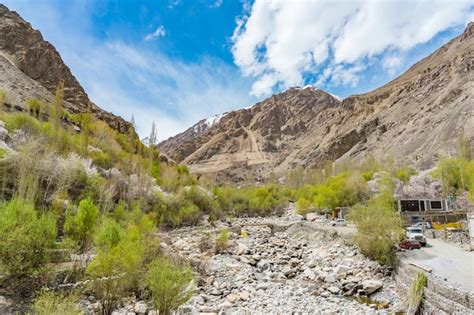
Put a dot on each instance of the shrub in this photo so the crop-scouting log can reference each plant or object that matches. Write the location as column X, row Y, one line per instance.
column 302, row 205
column 35, row 107
column 169, row 283
column 222, row 241
column 80, row 226
column 415, row 297
column 379, row 227
column 457, row 174
column 405, row 173
column 3, row 97
column 177, row 211
column 49, row 303
column 25, row 122
column 201, row 198
column 25, row 237
column 109, row 234
column 115, row 270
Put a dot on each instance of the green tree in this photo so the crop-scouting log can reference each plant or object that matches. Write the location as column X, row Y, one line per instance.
column 25, row 237
column 81, row 225
column 379, row 226
column 169, row 284
column 302, row 205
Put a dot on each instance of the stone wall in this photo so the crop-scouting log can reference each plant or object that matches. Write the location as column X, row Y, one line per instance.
column 439, row 297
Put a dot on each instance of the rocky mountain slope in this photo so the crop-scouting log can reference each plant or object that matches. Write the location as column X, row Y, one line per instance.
column 418, row 116
column 30, row 67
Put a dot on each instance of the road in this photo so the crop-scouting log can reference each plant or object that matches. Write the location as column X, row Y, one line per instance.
column 447, row 261
column 444, row 259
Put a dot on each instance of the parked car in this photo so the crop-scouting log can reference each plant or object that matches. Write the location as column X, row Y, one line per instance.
column 338, row 222
column 424, row 225
column 410, row 244
column 416, row 233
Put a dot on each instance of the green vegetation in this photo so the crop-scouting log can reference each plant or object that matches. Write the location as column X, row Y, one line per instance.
column 415, row 296
column 342, row 190
column 302, row 205
column 169, row 283
column 250, row 201
column 3, row 97
column 87, row 187
column 405, row 173
column 49, row 303
column 457, row 175
column 81, row 224
column 222, row 241
column 25, row 237
column 121, row 261
column 379, row 226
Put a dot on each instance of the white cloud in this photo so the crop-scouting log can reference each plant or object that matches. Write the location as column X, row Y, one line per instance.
column 136, row 79
column 392, row 62
column 128, row 80
column 159, row 32
column 216, row 4
column 279, row 41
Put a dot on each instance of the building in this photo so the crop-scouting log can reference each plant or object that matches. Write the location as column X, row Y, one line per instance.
column 421, row 205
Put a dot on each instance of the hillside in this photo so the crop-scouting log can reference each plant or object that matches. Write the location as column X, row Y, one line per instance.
column 30, row 67
column 417, row 117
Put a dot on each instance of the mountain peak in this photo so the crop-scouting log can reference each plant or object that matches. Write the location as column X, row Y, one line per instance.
column 417, row 116
column 36, row 68
column 468, row 32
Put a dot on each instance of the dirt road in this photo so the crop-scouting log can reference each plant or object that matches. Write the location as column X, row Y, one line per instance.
column 446, row 260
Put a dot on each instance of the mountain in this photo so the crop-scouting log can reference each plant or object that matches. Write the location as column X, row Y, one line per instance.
column 30, row 67
column 417, row 117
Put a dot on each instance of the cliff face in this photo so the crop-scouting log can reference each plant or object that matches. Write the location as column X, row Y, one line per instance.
column 417, row 117
column 31, row 67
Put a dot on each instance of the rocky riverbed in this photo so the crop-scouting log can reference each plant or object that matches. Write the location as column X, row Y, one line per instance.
column 281, row 265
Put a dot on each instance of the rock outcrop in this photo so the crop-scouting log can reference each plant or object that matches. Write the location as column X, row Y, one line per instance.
column 30, row 67
column 417, row 117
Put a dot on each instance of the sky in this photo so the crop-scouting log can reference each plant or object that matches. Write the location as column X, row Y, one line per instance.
column 176, row 62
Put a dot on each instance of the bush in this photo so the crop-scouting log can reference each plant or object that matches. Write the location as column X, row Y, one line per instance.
column 109, row 234
column 25, row 122
column 169, row 283
column 81, row 225
column 48, row 303
column 116, row 270
column 25, row 237
column 177, row 211
column 222, row 241
column 379, row 227
column 417, row 289
column 302, row 205
column 457, row 175
column 405, row 173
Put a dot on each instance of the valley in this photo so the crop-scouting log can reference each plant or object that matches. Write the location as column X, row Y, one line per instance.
column 303, row 203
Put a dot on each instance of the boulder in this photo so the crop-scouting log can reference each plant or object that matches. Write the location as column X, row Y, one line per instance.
column 242, row 249
column 331, row 278
column 371, row 286
column 334, row 290
column 263, row 264
column 232, row 298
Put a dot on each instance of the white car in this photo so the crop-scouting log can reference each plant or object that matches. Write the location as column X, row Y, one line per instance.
column 338, row 222
column 416, row 233
column 423, row 225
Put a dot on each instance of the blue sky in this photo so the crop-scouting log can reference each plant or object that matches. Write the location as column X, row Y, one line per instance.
column 178, row 61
